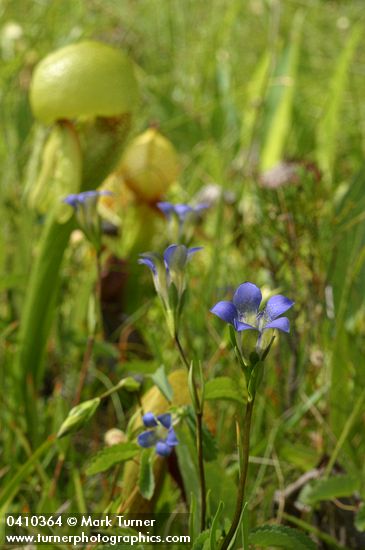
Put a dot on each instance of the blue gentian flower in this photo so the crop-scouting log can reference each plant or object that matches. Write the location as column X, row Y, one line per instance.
column 182, row 211
column 187, row 216
column 79, row 199
column 85, row 206
column 162, row 435
column 244, row 313
column 167, row 270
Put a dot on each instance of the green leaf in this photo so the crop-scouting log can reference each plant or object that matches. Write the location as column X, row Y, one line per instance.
column 10, row 489
column 192, row 388
column 193, row 528
column 110, row 456
column 301, row 456
column 330, row 123
column 327, row 489
column 255, row 94
column 214, row 527
column 232, row 336
column 269, row 536
column 224, row 388
column 209, row 442
column 220, row 491
column 146, row 479
column 160, row 379
column 200, row 542
column 347, row 276
column 245, row 526
column 78, row 416
column 185, row 452
column 12, row 281
column 360, row 518
column 280, row 99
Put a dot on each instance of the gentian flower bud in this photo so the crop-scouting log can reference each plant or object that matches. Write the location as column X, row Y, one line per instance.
column 78, row 417
column 184, row 216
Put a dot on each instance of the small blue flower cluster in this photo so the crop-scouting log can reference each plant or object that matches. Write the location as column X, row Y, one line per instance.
column 162, row 435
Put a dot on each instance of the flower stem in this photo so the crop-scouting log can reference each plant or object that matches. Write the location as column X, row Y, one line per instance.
column 199, row 440
column 181, row 351
column 199, row 444
column 243, row 457
column 91, row 338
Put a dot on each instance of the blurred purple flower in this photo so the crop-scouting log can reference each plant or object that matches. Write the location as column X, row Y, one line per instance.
column 182, row 211
column 182, row 219
column 77, row 199
column 86, row 212
column 162, row 435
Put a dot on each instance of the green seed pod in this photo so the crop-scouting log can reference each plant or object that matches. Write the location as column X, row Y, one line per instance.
column 84, row 80
column 78, row 417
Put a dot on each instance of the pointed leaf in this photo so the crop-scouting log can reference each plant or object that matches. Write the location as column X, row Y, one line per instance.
column 146, row 479
column 214, row 527
column 269, row 536
column 280, row 100
column 200, row 542
column 224, row 388
column 330, row 123
column 360, row 519
column 327, row 489
column 110, row 456
column 160, row 379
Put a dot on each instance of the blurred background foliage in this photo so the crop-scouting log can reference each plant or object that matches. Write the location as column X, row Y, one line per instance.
column 264, row 98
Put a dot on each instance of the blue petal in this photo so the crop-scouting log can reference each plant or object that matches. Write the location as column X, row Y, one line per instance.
column 148, row 261
column 239, row 326
column 247, row 298
column 76, row 199
column 169, row 254
column 147, row 439
column 225, row 311
column 171, row 438
column 182, row 210
column 194, row 249
column 282, row 324
column 276, row 306
column 71, row 200
column 165, row 420
column 163, row 449
column 149, row 420
column 166, row 208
